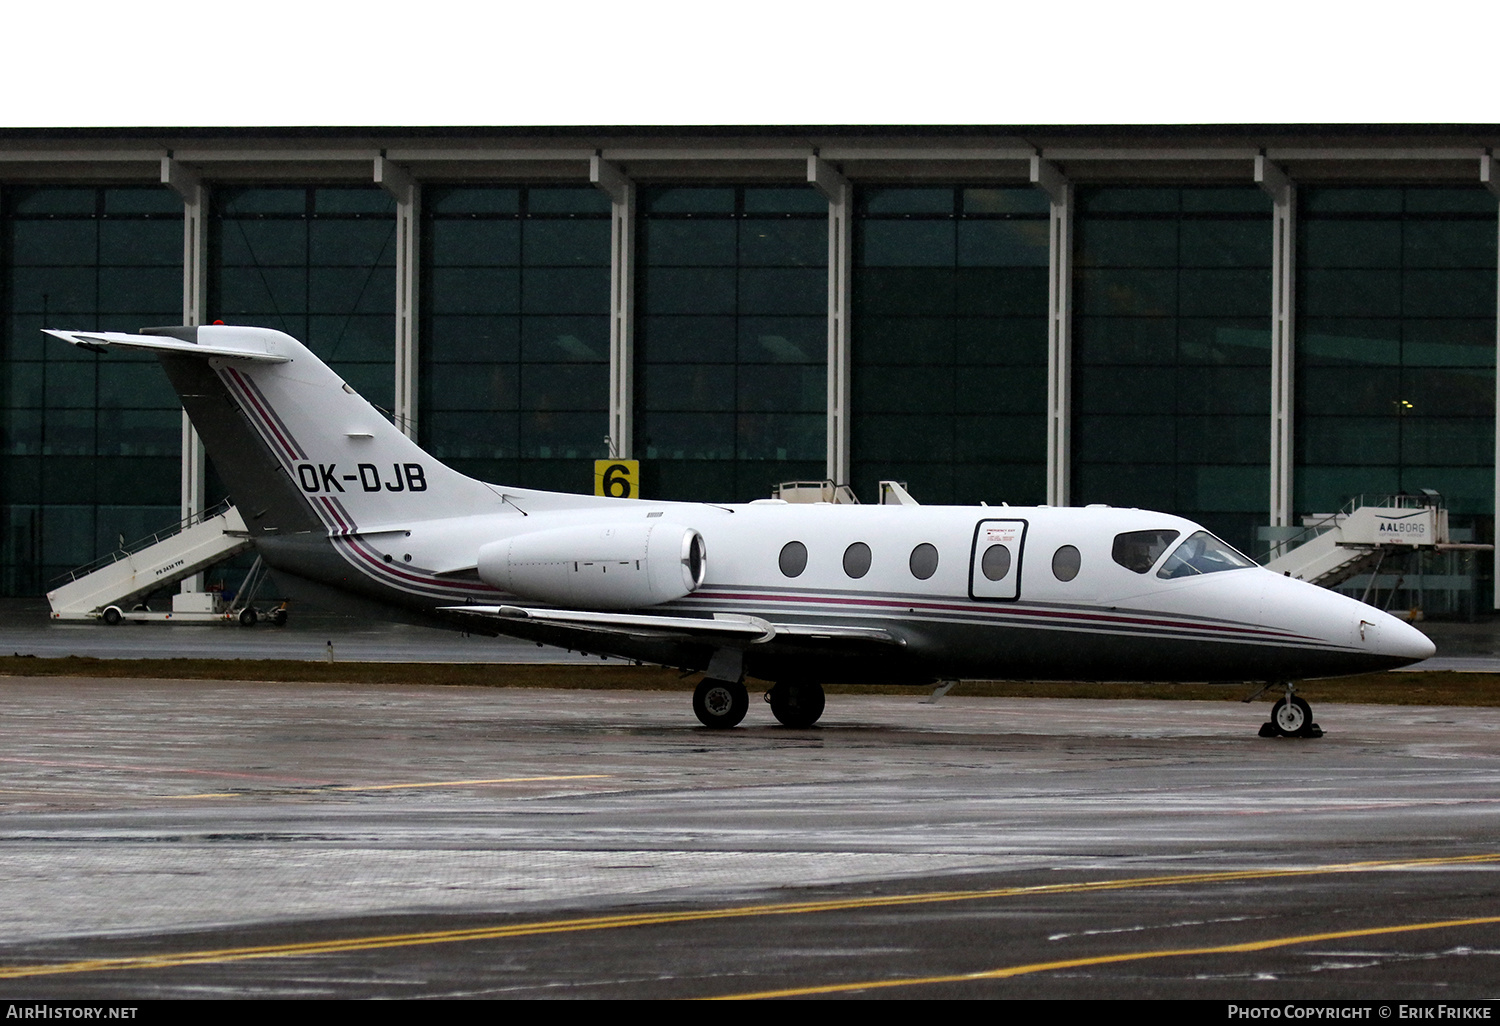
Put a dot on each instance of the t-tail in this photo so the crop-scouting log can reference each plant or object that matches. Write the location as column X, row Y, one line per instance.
column 291, row 439
column 325, row 482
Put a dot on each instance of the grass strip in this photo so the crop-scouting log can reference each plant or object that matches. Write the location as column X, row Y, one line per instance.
column 1417, row 687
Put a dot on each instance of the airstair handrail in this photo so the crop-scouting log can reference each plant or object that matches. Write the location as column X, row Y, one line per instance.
column 202, row 516
column 1282, row 546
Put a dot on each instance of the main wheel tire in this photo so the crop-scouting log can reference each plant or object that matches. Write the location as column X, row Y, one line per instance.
column 1293, row 718
column 112, row 615
column 278, row 618
column 720, row 704
column 797, row 703
column 248, row 617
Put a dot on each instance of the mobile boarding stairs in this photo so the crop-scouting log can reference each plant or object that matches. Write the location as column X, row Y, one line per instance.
column 1333, row 547
column 115, row 587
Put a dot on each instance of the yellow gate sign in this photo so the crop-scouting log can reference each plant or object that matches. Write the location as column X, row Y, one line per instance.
column 619, row 479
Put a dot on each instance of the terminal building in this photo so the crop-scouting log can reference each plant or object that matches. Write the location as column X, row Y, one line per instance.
column 1245, row 325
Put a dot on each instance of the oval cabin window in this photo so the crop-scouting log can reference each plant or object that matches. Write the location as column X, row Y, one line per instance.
column 924, row 561
column 995, row 563
column 793, row 558
column 1065, row 563
column 857, row 560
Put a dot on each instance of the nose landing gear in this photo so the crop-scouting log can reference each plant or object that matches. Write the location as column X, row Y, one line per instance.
column 1290, row 716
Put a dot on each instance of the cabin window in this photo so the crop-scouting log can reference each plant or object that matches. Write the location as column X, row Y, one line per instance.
column 1066, row 562
column 857, row 560
column 924, row 561
column 793, row 558
column 995, row 563
column 1202, row 553
column 1139, row 550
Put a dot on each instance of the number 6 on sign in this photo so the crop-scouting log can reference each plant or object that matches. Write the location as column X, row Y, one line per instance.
column 619, row 479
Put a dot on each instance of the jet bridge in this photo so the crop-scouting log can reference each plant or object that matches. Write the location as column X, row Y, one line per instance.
column 109, row 589
column 1334, row 547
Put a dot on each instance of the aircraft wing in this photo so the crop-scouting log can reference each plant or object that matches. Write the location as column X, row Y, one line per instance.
column 722, row 628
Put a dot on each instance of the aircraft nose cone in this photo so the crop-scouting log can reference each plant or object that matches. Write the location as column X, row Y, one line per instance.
column 1385, row 635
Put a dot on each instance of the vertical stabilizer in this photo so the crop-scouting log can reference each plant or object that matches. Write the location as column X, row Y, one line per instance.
column 351, row 464
column 297, row 447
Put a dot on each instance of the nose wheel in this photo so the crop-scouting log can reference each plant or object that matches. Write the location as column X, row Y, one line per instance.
column 1290, row 717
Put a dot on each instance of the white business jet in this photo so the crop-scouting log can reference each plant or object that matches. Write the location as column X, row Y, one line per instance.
column 351, row 513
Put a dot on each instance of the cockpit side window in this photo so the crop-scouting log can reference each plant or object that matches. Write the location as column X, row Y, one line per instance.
column 1202, row 553
column 1139, row 550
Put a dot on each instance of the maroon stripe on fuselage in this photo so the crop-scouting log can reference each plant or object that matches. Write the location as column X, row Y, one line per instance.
column 362, row 550
column 341, row 524
column 896, row 605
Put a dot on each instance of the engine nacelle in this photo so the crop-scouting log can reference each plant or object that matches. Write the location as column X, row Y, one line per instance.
column 598, row 566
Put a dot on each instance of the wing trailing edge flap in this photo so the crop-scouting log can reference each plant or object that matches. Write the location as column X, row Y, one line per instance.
column 103, row 341
column 722, row 627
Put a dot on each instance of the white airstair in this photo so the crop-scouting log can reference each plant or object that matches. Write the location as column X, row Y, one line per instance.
column 1334, row 547
column 109, row 589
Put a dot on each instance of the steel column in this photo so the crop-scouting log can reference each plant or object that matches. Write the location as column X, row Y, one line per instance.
column 1046, row 176
column 1489, row 174
column 621, row 191
column 1283, row 195
column 840, row 195
column 194, row 196
column 407, row 193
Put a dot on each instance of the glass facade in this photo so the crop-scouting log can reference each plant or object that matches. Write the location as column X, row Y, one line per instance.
column 1395, row 345
column 514, row 372
column 91, row 456
column 732, row 340
column 1172, row 353
column 1394, row 375
column 949, row 351
column 316, row 263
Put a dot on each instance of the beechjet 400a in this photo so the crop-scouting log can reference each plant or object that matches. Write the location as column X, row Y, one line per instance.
column 349, row 512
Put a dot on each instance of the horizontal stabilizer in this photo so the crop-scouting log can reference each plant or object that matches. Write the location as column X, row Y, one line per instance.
column 235, row 346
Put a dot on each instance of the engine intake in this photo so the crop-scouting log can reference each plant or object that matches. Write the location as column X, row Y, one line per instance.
column 598, row 566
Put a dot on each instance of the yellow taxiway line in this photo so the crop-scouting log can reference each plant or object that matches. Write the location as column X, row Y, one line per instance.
column 219, row 955
column 1135, row 956
column 392, row 787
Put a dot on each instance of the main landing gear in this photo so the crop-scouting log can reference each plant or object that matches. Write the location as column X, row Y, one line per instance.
column 722, row 704
column 1290, row 716
column 796, row 703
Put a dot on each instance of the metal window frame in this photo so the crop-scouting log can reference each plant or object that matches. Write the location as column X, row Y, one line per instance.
column 1283, row 192
column 620, row 188
column 1046, row 176
column 839, row 193
column 407, row 193
column 1053, row 168
column 194, row 194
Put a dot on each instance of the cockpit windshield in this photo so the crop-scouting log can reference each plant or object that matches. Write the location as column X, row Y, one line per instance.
column 1202, row 553
column 1139, row 550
